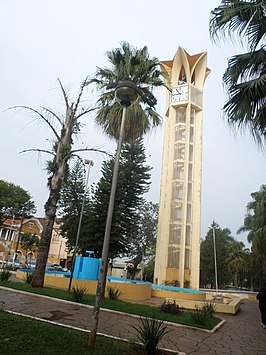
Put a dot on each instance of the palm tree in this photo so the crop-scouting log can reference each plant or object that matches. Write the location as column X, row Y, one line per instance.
column 64, row 127
column 255, row 225
column 135, row 65
column 245, row 76
column 237, row 261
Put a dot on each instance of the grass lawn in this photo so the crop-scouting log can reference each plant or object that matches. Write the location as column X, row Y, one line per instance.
column 24, row 336
column 117, row 305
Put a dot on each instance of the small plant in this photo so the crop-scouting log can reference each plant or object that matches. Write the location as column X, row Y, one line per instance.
column 174, row 283
column 78, row 294
column 203, row 313
column 209, row 308
column 150, row 332
column 5, row 274
column 170, row 307
column 28, row 277
column 198, row 316
column 113, row 293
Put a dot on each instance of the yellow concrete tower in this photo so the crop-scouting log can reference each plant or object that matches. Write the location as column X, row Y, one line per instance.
column 178, row 242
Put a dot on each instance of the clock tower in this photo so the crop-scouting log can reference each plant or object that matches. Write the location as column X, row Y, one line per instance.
column 177, row 258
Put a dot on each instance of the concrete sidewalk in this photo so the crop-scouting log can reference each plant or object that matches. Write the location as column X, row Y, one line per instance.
column 240, row 334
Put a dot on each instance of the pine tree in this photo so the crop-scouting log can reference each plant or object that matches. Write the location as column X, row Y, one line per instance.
column 71, row 202
column 141, row 246
column 133, row 182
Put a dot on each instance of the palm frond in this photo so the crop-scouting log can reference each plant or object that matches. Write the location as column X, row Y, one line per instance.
column 245, row 76
column 246, row 107
column 135, row 65
column 243, row 18
column 245, row 67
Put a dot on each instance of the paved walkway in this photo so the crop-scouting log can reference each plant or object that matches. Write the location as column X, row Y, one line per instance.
column 240, row 334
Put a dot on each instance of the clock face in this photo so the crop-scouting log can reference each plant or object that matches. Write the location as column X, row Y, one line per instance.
column 180, row 93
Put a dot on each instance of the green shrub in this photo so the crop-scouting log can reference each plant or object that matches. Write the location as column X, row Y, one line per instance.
column 78, row 294
column 174, row 283
column 149, row 332
column 113, row 293
column 5, row 274
column 28, row 277
column 170, row 307
column 203, row 313
column 209, row 308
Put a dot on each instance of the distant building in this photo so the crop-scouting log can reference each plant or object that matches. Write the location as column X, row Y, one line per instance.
column 178, row 242
column 58, row 250
column 9, row 240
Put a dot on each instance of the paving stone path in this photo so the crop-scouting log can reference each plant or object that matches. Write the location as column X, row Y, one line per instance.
column 240, row 334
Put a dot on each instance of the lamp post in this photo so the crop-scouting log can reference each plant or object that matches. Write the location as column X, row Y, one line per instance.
column 126, row 94
column 215, row 256
column 89, row 163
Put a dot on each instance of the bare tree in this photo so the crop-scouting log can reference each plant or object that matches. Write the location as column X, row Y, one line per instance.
column 63, row 129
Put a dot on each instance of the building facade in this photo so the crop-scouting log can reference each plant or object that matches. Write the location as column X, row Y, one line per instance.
column 177, row 259
column 10, row 235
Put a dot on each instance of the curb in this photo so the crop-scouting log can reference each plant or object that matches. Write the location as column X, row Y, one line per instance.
column 112, row 311
column 82, row 330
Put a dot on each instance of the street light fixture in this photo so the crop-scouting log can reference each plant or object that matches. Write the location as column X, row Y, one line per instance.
column 89, row 163
column 126, row 94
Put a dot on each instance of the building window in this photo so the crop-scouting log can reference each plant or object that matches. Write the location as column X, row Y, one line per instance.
column 31, row 225
column 176, row 213
column 188, row 235
column 192, row 116
column 179, row 152
column 191, row 152
column 180, row 133
column 191, row 136
column 12, row 234
column 178, row 171
column 187, row 259
column 181, row 115
column 189, row 212
column 177, row 191
column 175, row 234
column 55, row 237
column 189, row 192
column 173, row 257
column 190, row 172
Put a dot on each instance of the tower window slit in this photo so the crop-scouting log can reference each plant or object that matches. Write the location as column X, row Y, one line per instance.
column 173, row 257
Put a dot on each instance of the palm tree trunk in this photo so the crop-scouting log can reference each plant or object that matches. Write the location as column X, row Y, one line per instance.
column 55, row 183
column 251, row 283
column 44, row 246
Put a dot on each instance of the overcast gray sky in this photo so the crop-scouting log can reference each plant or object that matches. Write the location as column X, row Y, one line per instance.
column 46, row 39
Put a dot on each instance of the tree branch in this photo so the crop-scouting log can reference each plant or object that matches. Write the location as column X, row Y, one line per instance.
column 88, row 150
column 85, row 112
column 53, row 114
column 79, row 96
column 40, row 115
column 37, row 150
column 64, row 93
